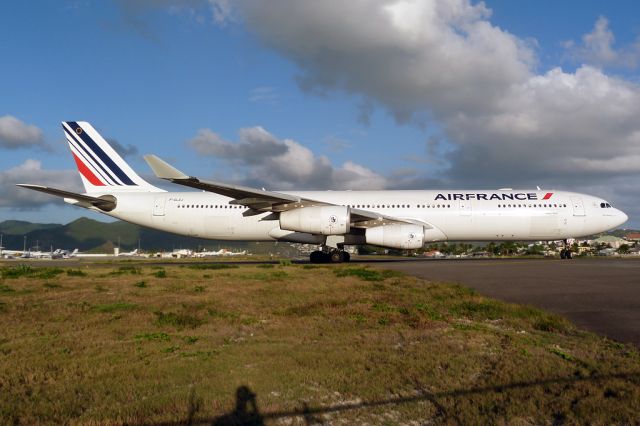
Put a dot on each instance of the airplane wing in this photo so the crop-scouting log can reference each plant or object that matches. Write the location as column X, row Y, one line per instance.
column 102, row 203
column 260, row 200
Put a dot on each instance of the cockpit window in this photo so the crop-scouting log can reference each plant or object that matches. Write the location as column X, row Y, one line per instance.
column 605, row 205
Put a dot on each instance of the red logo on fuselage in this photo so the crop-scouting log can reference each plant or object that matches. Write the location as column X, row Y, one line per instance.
column 547, row 195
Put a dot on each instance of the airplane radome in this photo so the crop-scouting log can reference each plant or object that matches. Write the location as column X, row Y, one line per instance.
column 330, row 219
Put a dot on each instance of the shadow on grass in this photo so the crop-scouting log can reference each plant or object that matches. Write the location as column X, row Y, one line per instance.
column 246, row 411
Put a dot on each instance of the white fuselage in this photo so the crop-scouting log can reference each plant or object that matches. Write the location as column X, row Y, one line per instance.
column 458, row 215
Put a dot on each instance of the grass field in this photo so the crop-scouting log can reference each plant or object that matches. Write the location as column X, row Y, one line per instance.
column 293, row 344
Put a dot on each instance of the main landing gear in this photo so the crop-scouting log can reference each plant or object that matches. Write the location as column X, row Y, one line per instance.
column 329, row 255
column 565, row 253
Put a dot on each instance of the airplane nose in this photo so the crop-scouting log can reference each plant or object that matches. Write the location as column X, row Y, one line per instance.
column 623, row 217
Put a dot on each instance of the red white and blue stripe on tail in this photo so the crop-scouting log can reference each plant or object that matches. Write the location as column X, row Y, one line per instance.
column 101, row 168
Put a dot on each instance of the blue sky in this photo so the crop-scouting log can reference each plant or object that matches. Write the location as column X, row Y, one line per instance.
column 336, row 91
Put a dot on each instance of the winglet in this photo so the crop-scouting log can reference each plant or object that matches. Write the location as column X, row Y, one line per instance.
column 162, row 169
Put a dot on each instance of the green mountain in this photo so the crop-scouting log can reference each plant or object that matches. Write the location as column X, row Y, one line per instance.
column 19, row 227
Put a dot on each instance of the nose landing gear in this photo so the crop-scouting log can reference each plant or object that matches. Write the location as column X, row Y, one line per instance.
column 565, row 252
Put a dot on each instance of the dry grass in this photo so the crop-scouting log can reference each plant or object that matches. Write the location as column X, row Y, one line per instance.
column 141, row 345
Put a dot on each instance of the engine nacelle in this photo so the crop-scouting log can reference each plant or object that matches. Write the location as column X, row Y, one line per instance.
column 324, row 220
column 396, row 236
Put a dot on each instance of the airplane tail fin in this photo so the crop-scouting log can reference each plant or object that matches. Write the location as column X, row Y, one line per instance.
column 101, row 168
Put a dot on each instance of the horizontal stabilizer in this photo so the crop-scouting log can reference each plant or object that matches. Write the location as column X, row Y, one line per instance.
column 162, row 169
column 106, row 203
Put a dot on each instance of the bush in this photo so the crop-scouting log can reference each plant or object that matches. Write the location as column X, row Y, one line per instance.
column 51, row 285
column 367, row 274
column 212, row 266
column 162, row 337
column 486, row 309
column 130, row 269
column 178, row 320
column 17, row 271
column 362, row 273
column 113, row 307
column 48, row 273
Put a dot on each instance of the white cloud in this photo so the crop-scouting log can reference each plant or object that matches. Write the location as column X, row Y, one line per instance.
column 264, row 160
column 597, row 48
column 267, row 95
column 31, row 171
column 221, row 10
column 555, row 125
column 15, row 134
column 254, row 146
column 435, row 56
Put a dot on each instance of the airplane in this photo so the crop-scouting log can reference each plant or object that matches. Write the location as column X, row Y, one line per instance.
column 10, row 254
column 91, row 255
column 400, row 219
column 64, row 254
column 129, row 254
column 226, row 252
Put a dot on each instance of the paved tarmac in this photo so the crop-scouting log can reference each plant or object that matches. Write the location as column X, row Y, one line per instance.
column 602, row 295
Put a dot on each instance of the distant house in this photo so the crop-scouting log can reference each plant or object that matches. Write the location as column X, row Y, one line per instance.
column 610, row 240
column 434, row 254
column 633, row 236
column 608, row 252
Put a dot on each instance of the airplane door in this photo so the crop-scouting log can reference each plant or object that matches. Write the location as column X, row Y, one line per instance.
column 158, row 206
column 578, row 207
column 465, row 207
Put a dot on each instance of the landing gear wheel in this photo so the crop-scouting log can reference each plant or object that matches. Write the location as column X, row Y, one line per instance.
column 568, row 254
column 346, row 257
column 335, row 256
column 316, row 257
column 563, row 254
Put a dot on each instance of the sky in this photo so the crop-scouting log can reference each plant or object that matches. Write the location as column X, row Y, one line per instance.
column 295, row 94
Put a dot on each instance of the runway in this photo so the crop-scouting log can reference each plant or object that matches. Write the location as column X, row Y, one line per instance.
column 601, row 295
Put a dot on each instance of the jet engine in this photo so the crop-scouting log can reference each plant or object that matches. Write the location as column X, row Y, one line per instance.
column 398, row 236
column 324, row 220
